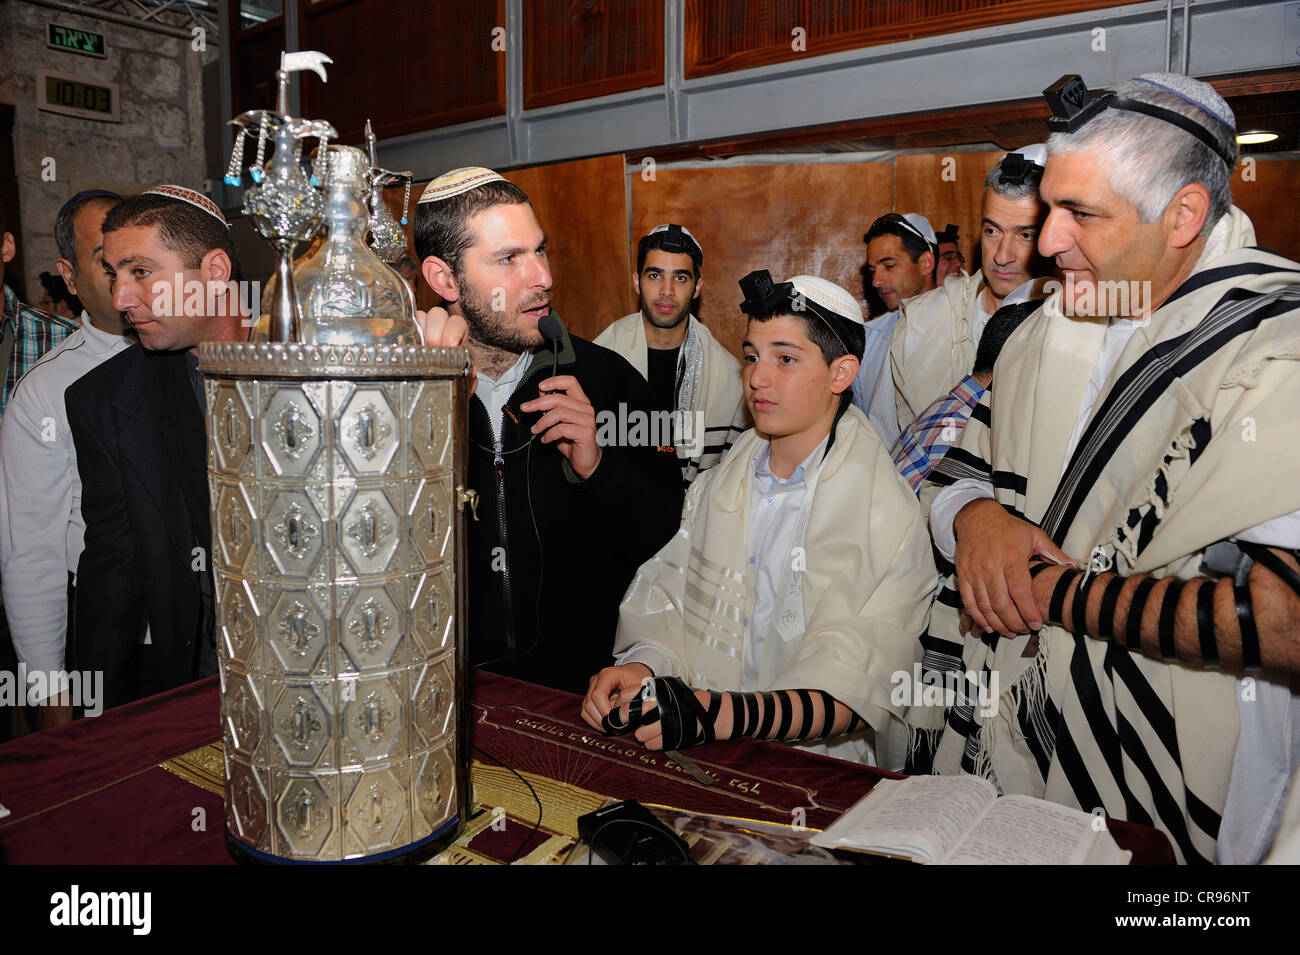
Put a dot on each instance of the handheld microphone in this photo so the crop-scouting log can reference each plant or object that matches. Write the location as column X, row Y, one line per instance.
column 551, row 330
column 549, row 327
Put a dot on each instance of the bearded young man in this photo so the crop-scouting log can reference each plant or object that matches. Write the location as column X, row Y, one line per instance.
column 933, row 346
column 563, row 523
column 1143, row 442
column 691, row 376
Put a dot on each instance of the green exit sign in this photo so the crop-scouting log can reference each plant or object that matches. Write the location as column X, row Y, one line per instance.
column 75, row 41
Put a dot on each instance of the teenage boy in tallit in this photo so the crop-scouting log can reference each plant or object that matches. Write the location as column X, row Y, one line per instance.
column 794, row 592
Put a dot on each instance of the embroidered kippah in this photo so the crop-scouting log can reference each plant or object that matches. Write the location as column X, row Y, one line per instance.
column 196, row 199
column 457, row 181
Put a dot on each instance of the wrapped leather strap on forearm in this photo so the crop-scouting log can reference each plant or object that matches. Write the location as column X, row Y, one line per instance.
column 1248, row 621
column 786, row 715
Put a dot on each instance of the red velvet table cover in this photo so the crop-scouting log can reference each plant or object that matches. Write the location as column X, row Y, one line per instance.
column 92, row 792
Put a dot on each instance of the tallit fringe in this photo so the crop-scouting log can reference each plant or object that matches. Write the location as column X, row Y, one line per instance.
column 1122, row 539
column 1030, row 690
column 982, row 764
column 922, row 743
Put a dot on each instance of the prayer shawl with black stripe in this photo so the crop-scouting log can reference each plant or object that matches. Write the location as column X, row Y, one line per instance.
column 933, row 345
column 848, row 612
column 709, row 393
column 1191, row 440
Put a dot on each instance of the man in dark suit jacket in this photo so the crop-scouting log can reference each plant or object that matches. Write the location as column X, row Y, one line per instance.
column 144, row 605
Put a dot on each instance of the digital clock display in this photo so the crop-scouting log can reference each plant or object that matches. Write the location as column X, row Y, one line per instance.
column 94, row 99
column 60, row 93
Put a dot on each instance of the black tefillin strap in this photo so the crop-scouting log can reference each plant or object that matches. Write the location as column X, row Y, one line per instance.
column 1073, row 105
column 685, row 722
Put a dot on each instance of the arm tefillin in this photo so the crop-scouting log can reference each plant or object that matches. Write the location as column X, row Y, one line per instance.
column 1247, row 619
column 785, row 715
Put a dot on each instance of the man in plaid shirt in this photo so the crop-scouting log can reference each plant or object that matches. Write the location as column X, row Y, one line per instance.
column 926, row 440
column 26, row 333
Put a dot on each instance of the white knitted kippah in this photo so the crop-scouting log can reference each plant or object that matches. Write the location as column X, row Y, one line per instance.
column 828, row 295
column 456, row 181
column 1200, row 95
column 196, row 199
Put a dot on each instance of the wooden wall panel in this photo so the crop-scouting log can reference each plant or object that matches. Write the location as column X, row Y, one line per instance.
column 401, row 66
column 945, row 187
column 582, row 207
column 1271, row 200
column 739, row 34
column 797, row 219
column 577, row 49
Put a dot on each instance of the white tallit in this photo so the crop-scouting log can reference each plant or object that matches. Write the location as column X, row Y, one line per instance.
column 1163, row 469
column 710, row 384
column 934, row 342
column 853, row 601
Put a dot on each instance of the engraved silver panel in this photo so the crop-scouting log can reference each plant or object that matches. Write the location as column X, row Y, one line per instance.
column 374, row 723
column 293, row 533
column 300, row 725
column 305, row 814
column 372, row 629
column 291, row 433
column 376, row 809
column 233, row 526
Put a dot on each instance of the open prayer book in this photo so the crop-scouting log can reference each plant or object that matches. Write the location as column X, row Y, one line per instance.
column 960, row 820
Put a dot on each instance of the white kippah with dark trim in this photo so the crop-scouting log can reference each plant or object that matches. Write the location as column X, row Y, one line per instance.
column 829, row 296
column 196, row 199
column 457, row 181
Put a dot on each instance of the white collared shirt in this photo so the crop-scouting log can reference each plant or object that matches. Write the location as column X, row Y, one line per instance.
column 774, row 505
column 495, row 393
column 42, row 532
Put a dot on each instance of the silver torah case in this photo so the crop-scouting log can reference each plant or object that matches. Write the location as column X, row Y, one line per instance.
column 336, row 473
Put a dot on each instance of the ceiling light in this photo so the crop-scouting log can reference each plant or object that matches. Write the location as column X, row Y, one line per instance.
column 1256, row 136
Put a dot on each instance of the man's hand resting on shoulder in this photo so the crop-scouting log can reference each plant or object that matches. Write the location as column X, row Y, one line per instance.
column 993, row 553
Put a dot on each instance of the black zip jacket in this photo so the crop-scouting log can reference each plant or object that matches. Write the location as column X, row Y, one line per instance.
column 551, row 556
